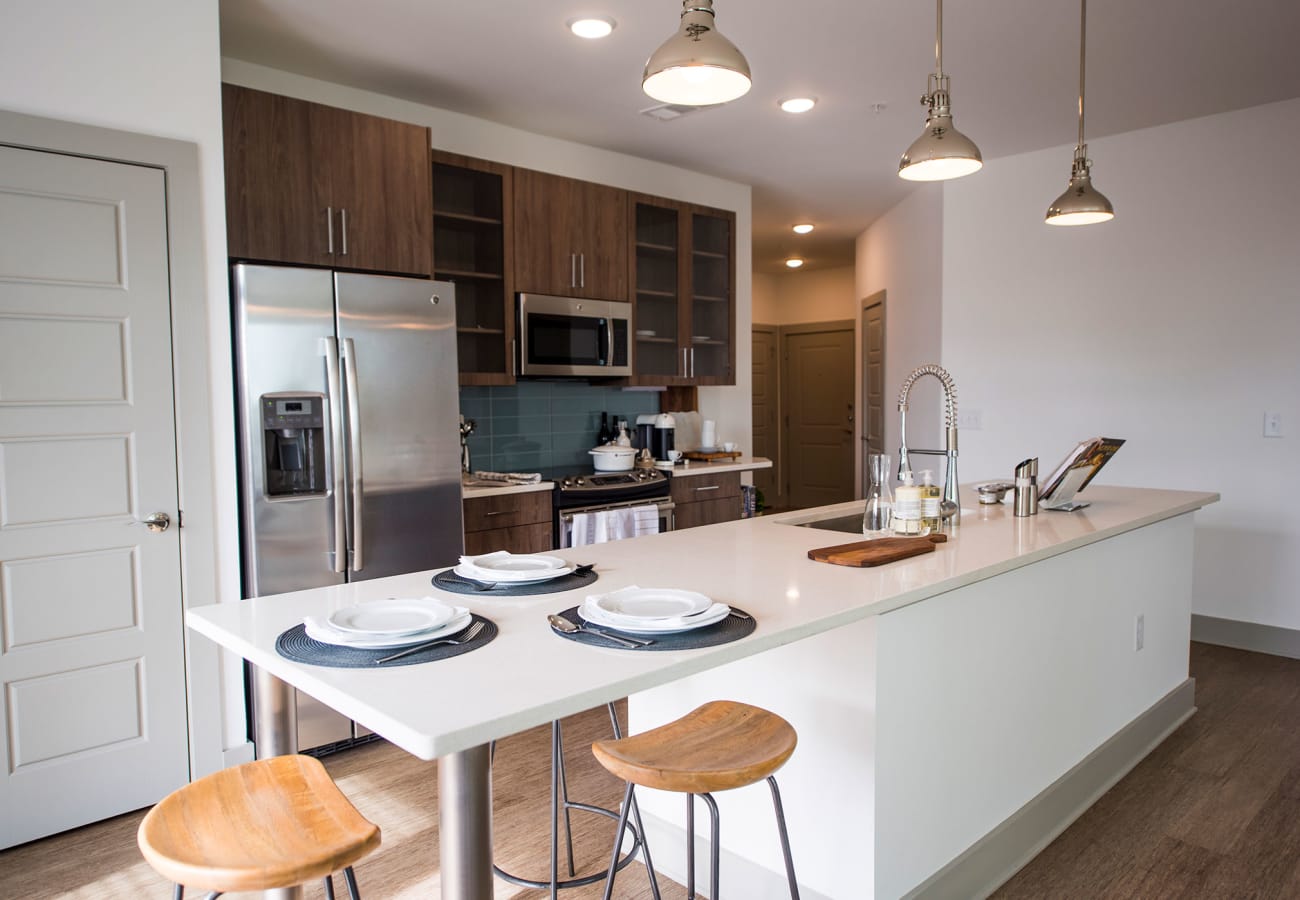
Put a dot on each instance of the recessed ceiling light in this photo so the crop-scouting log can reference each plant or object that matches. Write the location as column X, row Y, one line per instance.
column 794, row 262
column 798, row 104
column 592, row 27
column 803, row 228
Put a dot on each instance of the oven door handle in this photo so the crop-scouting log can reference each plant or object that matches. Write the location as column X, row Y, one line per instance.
column 664, row 506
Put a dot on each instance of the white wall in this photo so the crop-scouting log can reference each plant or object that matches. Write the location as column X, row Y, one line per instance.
column 900, row 254
column 791, row 298
column 151, row 67
column 729, row 406
column 1175, row 326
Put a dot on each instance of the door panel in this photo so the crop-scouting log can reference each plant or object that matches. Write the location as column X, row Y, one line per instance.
column 91, row 649
column 873, row 382
column 818, row 399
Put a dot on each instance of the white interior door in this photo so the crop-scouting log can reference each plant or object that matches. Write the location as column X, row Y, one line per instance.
column 92, row 679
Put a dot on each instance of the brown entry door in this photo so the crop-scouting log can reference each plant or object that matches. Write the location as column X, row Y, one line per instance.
column 818, row 402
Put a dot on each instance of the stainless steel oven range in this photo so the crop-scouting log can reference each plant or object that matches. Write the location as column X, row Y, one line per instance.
column 593, row 492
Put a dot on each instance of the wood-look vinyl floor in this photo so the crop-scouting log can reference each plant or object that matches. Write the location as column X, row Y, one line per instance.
column 1214, row 812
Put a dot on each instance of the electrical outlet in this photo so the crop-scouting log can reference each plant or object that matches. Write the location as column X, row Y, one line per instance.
column 1139, row 632
column 1273, row 424
column 970, row 419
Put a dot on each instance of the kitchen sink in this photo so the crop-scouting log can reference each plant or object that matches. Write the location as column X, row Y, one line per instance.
column 850, row 524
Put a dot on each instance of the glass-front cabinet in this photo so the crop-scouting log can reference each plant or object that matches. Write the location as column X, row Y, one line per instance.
column 471, row 248
column 683, row 262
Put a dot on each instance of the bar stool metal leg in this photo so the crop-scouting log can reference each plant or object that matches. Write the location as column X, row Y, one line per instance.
column 350, row 877
column 636, row 817
column 785, row 837
column 690, row 847
column 564, row 796
column 715, row 854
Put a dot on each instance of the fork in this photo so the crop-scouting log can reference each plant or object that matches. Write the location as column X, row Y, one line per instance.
column 465, row 636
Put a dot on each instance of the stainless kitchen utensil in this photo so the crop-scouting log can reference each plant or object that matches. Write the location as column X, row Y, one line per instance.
column 1027, row 487
column 992, row 492
column 465, row 636
column 562, row 624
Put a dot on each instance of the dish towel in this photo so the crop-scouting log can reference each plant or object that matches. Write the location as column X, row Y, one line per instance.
column 610, row 525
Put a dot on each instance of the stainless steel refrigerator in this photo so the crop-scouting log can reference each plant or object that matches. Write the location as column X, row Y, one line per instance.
column 349, row 454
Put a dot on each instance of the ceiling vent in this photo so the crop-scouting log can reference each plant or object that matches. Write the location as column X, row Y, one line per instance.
column 666, row 112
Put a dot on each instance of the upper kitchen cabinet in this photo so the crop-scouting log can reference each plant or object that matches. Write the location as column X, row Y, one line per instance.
column 683, row 276
column 472, row 244
column 315, row 185
column 570, row 237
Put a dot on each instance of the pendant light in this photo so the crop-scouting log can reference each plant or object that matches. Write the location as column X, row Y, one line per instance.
column 941, row 152
column 1081, row 204
column 697, row 66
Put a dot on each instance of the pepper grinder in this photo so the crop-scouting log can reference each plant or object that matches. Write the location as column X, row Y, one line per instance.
column 1027, row 488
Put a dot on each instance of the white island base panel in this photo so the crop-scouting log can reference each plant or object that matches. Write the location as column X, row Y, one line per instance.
column 926, row 734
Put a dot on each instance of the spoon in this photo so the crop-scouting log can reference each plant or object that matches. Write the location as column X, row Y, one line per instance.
column 560, row 623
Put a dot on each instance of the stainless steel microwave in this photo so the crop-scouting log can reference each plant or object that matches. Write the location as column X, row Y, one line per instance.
column 569, row 336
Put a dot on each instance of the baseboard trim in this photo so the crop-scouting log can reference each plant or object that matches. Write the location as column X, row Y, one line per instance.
column 994, row 858
column 1271, row 639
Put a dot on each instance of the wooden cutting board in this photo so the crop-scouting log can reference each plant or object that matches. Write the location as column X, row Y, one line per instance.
column 709, row 457
column 862, row 554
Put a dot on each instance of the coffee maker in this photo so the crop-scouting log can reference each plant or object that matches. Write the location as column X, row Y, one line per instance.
column 655, row 432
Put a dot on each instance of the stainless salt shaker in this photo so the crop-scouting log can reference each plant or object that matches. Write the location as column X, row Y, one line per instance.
column 1027, row 488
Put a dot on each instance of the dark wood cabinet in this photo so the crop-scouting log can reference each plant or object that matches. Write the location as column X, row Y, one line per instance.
column 570, row 237
column 520, row 523
column 473, row 243
column 706, row 499
column 312, row 184
column 683, row 278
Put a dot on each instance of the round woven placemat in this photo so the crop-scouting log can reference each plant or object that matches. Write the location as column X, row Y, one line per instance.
column 732, row 628
column 294, row 644
column 450, row 581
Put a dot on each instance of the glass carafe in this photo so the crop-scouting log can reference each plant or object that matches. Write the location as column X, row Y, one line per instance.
column 876, row 519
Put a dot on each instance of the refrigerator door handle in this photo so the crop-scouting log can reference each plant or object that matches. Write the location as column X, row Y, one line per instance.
column 329, row 348
column 354, row 432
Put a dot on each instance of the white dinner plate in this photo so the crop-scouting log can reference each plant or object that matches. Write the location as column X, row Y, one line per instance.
column 320, row 630
column 392, row 617
column 714, row 614
column 516, row 568
column 637, row 603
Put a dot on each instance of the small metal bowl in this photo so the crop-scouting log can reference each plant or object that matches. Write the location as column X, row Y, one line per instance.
column 992, row 492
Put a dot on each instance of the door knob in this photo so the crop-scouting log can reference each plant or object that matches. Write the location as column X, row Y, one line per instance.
column 158, row 521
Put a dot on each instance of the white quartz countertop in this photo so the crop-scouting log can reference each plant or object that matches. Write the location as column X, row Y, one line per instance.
column 471, row 489
column 528, row 675
column 738, row 464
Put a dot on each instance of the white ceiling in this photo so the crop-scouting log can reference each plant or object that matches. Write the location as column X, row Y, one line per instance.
column 1014, row 68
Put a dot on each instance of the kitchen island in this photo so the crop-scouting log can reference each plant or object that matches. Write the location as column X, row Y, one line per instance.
column 937, row 699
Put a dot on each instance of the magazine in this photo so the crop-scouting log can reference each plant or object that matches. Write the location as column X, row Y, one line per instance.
column 1076, row 471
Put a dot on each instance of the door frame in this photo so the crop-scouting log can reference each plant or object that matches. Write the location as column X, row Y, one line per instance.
column 783, row 331
column 778, row 437
column 193, row 399
column 874, row 299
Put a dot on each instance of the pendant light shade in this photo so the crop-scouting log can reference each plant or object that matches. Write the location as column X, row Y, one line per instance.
column 1081, row 204
column 941, row 152
column 697, row 66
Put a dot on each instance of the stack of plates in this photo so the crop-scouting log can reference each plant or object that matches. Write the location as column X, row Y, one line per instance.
column 652, row 610
column 503, row 567
column 394, row 622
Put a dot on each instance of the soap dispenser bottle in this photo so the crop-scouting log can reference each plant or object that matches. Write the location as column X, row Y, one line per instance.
column 907, row 508
column 931, row 500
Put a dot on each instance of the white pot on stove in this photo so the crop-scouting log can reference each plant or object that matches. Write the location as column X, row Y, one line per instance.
column 612, row 458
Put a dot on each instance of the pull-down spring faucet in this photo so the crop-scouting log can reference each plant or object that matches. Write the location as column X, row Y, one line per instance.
column 951, row 506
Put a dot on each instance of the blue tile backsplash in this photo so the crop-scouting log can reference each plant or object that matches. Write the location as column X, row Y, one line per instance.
column 544, row 426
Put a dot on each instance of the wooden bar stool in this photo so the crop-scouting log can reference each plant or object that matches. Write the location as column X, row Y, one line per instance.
column 273, row 823
column 720, row 746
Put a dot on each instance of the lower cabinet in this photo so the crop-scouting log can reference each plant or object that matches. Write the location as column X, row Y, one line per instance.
column 520, row 523
column 706, row 499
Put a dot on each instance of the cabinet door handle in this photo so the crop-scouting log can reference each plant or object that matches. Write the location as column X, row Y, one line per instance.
column 343, row 214
column 329, row 229
column 582, row 270
column 712, row 487
column 692, row 362
column 684, row 369
column 499, row 512
column 514, row 349
column 573, row 270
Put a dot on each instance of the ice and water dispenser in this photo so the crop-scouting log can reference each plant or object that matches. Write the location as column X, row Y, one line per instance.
column 293, row 444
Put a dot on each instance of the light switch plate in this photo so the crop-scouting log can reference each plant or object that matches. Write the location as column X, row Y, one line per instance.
column 970, row 419
column 1272, row 424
